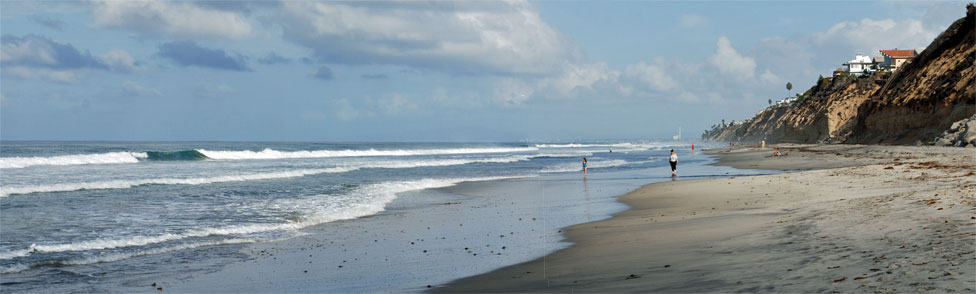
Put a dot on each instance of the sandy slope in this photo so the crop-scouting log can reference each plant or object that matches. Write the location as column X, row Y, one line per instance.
column 888, row 219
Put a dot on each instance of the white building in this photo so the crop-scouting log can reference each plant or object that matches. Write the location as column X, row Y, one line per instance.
column 860, row 65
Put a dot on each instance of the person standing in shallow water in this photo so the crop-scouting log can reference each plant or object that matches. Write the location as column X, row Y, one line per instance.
column 674, row 162
column 584, row 165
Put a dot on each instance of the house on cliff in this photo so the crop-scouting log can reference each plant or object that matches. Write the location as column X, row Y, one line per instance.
column 860, row 65
column 894, row 59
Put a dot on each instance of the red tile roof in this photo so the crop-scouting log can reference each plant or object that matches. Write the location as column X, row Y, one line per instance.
column 898, row 53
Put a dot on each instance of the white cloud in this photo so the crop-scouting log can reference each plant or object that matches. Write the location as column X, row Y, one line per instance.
column 29, row 50
column 653, row 76
column 579, row 78
column 37, row 57
column 692, row 21
column 728, row 60
column 769, row 77
column 119, row 60
column 459, row 37
column 130, row 88
column 510, row 91
column 178, row 19
column 868, row 36
column 60, row 76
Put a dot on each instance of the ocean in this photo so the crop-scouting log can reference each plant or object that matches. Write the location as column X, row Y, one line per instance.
column 102, row 216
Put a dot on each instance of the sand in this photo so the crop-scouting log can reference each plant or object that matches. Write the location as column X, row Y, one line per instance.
column 851, row 218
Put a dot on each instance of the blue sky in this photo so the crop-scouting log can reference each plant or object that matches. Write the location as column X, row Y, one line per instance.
column 424, row 71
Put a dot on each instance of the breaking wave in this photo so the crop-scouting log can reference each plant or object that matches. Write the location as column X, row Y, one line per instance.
column 125, row 184
column 365, row 201
column 203, row 154
column 275, row 154
column 101, row 158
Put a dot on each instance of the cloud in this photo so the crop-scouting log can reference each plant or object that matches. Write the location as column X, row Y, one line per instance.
column 653, row 76
column 510, row 91
column 274, row 58
column 769, row 77
column 133, row 89
column 188, row 53
column 36, row 51
column 324, row 73
column 37, row 57
column 53, row 24
column 119, row 60
column 459, row 37
column 23, row 72
column 867, row 36
column 172, row 19
column 581, row 78
column 692, row 21
column 729, row 61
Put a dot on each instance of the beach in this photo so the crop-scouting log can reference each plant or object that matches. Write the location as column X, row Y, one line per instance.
column 845, row 218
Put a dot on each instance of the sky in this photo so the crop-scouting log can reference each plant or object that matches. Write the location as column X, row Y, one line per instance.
column 498, row 71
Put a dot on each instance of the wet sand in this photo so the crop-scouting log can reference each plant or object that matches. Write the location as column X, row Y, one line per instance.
column 859, row 218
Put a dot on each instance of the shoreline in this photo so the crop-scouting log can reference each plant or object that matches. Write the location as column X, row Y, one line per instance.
column 434, row 236
column 851, row 218
column 425, row 237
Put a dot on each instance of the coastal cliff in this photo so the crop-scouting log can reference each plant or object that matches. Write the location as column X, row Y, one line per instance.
column 916, row 103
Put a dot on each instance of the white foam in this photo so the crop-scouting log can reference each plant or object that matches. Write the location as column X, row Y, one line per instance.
column 125, row 184
column 134, row 157
column 100, row 158
column 372, row 199
column 565, row 154
column 275, row 154
column 368, row 200
column 124, row 255
column 14, row 253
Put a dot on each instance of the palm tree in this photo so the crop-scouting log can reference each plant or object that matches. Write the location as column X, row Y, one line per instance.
column 789, row 87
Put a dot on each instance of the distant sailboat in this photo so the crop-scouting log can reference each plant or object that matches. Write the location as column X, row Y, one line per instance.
column 678, row 136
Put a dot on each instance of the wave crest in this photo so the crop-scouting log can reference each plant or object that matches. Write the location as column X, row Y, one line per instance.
column 76, row 159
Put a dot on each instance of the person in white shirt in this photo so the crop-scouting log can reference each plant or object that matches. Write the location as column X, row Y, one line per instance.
column 674, row 162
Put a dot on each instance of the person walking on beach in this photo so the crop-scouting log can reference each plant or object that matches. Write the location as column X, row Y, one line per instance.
column 674, row 163
column 584, row 165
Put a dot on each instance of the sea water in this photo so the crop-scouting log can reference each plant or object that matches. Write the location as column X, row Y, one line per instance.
column 73, row 213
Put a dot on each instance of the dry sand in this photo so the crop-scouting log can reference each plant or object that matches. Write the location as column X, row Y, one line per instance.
column 862, row 219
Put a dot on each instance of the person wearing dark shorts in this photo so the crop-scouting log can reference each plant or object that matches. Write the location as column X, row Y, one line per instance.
column 674, row 162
